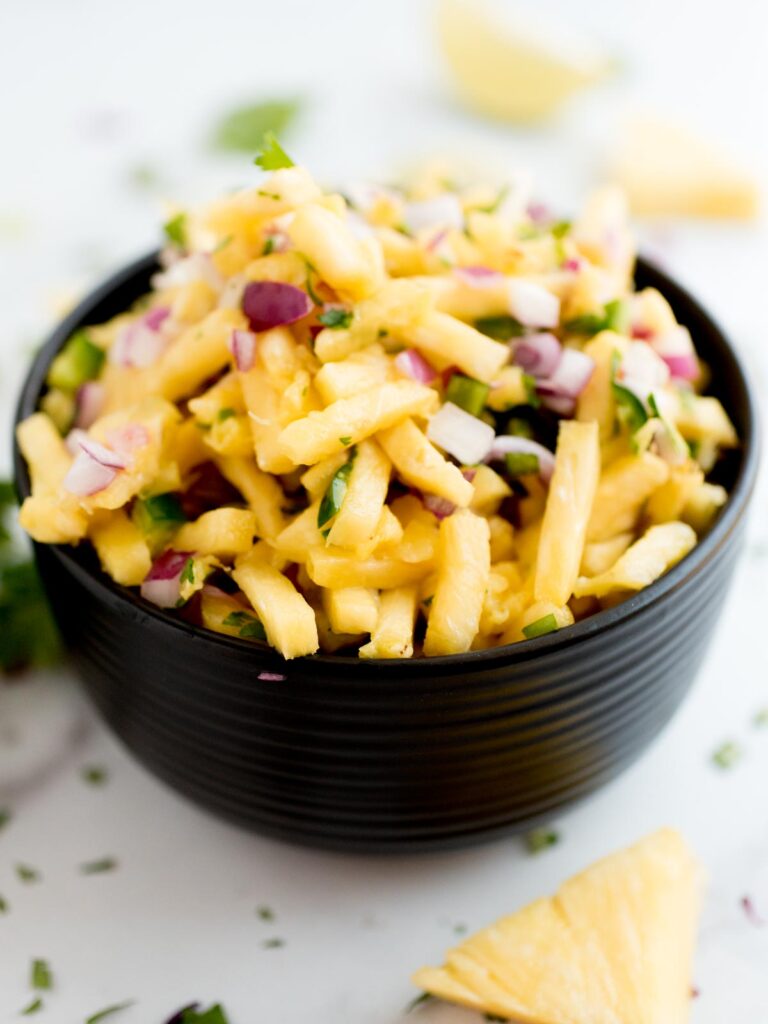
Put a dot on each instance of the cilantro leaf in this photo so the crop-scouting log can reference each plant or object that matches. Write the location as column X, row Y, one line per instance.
column 213, row 1015
column 272, row 156
column 33, row 1007
column 98, row 867
column 109, row 1010
column 347, row 439
column 248, row 626
column 273, row 943
column 94, row 775
column 40, row 975
column 3, row 905
column 244, row 128
column 27, row 874
column 225, row 414
column 727, row 755
column 5, row 817
column 335, row 494
column 336, row 318
column 541, row 838
column 266, row 913
column 188, row 572
column 501, row 328
column 176, row 230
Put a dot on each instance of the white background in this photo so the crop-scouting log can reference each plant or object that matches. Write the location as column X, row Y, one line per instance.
column 90, row 91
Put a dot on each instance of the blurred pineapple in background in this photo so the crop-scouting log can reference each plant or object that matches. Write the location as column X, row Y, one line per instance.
column 615, row 944
column 507, row 64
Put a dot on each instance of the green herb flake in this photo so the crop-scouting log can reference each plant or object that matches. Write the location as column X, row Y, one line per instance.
column 273, row 943
column 5, row 817
column 419, row 1001
column 336, row 318
column 34, row 1007
column 225, row 414
column 501, row 328
column 248, row 626
column 108, row 1011
column 587, row 324
column 310, row 290
column 467, row 393
column 94, row 774
column 269, row 245
column 460, row 928
column 532, row 395
column 272, row 156
column 521, row 463
column 175, row 230
column 541, row 839
column 79, row 361
column 41, row 977
column 213, row 1015
column 265, row 913
column 98, row 867
column 560, row 228
column 335, row 494
column 269, row 195
column 243, row 129
column 28, row 875
column 760, row 719
column 161, row 513
column 4, row 906
column 727, row 755
column 346, row 440
column 188, row 572
column 519, row 427
column 617, row 316
column 540, row 627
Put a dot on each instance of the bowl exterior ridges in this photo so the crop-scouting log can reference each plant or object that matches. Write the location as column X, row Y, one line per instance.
column 382, row 756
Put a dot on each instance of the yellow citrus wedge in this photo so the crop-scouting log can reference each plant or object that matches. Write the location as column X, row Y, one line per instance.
column 613, row 946
column 513, row 68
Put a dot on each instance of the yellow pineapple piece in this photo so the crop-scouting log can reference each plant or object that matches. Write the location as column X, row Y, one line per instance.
column 613, row 946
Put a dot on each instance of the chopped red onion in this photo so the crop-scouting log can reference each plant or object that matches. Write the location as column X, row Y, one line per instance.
column 439, row 507
column 140, row 344
column 444, row 211
column 73, row 439
column 271, row 677
column 437, row 240
column 198, row 266
column 90, row 400
column 642, row 365
column 532, row 304
column 641, row 333
column 242, row 345
column 460, row 434
column 413, row 364
column 162, row 584
column 677, row 350
column 573, row 263
column 539, row 213
column 560, row 404
column 469, row 474
column 683, row 367
column 570, row 376
column 101, row 454
column 478, row 277
column 269, row 304
column 506, row 443
column 538, row 354
column 155, row 317
column 128, row 438
column 86, row 476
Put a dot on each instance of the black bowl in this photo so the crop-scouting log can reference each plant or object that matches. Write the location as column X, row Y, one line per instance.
column 397, row 755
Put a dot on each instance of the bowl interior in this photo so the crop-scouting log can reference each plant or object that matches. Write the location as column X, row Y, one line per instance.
column 735, row 471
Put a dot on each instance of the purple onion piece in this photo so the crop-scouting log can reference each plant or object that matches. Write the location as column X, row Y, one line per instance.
column 269, row 304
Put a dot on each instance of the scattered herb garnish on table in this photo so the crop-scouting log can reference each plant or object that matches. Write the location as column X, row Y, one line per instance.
column 273, row 943
column 98, row 867
column 213, row 1015
column 760, row 720
column 27, row 874
column 4, row 908
column 33, row 1007
column 419, row 1001
column 108, row 1011
column 540, row 839
column 272, row 156
column 41, row 976
column 727, row 755
column 27, row 633
column 94, row 775
column 175, row 230
column 5, row 817
column 265, row 913
column 243, row 129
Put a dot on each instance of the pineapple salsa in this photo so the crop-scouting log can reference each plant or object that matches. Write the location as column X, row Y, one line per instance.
column 396, row 422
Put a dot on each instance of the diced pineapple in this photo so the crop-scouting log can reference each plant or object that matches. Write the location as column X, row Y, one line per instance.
column 613, row 946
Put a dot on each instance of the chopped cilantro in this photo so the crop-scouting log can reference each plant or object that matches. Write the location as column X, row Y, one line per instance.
column 248, row 626
column 460, row 928
column 727, row 755
column 760, row 720
column 188, row 572
column 244, row 128
column 176, row 230
column 213, row 1015
column 546, row 624
column 272, row 156
column 540, row 839
column 520, row 463
column 532, row 395
column 335, row 494
column 143, row 176
column 345, row 440
column 3, row 905
column 269, row 245
column 310, row 290
column 108, row 1011
column 94, row 775
column 269, row 195
column 27, row 874
column 225, row 414
column 273, row 943
column 98, row 867
column 79, row 360
column 5, row 817
column 265, row 913
column 33, row 1007
column 41, row 976
column 501, row 328
column 336, row 318
column 560, row 228
column 418, row 1001
column 467, row 393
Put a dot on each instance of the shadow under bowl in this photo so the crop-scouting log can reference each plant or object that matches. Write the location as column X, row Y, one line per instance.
column 397, row 755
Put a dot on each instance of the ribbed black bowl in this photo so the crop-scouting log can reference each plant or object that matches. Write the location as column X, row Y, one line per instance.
column 396, row 755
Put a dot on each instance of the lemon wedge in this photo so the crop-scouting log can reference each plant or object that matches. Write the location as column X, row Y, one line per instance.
column 510, row 66
column 666, row 170
column 614, row 944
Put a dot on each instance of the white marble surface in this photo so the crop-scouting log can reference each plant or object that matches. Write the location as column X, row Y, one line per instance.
column 91, row 90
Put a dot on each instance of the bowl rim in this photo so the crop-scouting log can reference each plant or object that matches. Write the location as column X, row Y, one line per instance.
column 598, row 623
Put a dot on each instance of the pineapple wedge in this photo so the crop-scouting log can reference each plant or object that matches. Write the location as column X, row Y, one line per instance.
column 613, row 946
